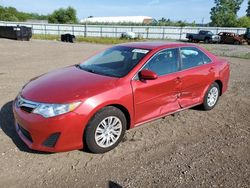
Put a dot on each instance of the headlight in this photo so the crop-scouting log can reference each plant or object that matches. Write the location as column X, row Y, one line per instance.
column 51, row 110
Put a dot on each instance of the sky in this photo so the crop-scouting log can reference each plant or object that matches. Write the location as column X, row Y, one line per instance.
column 188, row 10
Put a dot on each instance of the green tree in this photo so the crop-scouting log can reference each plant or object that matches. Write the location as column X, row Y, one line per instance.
column 167, row 22
column 248, row 9
column 224, row 14
column 162, row 20
column 12, row 14
column 63, row 16
column 244, row 22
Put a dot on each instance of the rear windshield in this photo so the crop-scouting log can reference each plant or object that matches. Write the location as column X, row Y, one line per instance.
column 116, row 62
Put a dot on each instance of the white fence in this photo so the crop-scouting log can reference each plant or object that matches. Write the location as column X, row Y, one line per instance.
column 153, row 32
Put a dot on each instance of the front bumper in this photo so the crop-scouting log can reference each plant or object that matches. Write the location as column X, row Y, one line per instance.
column 61, row 133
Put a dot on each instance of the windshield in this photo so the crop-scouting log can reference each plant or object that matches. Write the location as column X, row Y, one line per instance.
column 116, row 62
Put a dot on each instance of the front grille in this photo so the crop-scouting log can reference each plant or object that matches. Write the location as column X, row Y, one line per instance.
column 51, row 141
column 25, row 133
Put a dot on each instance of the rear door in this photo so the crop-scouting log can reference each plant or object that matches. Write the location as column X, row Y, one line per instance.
column 153, row 98
column 197, row 73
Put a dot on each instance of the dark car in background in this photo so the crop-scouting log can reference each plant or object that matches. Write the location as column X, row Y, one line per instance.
column 206, row 36
column 231, row 38
column 246, row 35
column 16, row 32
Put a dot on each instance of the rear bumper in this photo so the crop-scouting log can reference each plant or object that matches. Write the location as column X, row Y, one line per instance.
column 61, row 133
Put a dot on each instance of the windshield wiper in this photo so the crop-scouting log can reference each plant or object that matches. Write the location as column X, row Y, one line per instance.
column 86, row 69
column 95, row 72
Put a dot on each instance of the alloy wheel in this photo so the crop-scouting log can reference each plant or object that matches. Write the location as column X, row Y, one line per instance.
column 212, row 96
column 108, row 131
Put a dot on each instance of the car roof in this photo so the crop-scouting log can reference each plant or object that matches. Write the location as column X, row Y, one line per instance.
column 156, row 45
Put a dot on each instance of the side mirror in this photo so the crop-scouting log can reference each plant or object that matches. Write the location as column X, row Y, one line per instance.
column 147, row 75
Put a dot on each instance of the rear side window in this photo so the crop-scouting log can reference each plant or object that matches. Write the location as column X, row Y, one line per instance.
column 193, row 57
column 164, row 62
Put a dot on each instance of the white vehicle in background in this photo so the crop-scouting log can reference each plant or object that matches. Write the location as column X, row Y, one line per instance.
column 129, row 35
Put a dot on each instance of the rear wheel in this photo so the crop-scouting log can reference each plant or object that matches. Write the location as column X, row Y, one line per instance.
column 190, row 39
column 207, row 40
column 212, row 96
column 237, row 42
column 105, row 130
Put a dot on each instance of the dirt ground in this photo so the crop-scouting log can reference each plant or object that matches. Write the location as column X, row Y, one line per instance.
column 191, row 149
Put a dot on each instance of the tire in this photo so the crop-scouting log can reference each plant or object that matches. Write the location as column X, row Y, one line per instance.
column 211, row 97
column 207, row 40
column 73, row 40
column 108, row 116
column 236, row 43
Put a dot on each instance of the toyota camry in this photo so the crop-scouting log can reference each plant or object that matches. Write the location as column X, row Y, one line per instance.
column 91, row 104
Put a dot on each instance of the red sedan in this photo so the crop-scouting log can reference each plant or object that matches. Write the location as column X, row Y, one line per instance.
column 92, row 104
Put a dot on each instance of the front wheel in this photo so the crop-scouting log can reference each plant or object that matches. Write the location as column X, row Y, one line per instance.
column 212, row 96
column 105, row 130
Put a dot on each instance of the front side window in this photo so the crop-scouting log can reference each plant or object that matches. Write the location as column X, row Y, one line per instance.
column 115, row 62
column 165, row 62
column 193, row 57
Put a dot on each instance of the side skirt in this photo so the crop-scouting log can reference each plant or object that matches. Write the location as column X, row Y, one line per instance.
column 164, row 115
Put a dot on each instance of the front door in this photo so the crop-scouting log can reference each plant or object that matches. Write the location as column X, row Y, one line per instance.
column 153, row 98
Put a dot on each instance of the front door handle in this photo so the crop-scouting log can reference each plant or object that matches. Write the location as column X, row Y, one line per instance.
column 178, row 80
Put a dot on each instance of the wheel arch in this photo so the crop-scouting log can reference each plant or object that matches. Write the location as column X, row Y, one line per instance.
column 125, row 112
column 121, row 107
column 219, row 82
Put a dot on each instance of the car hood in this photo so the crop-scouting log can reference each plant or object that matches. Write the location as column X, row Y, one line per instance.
column 66, row 85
